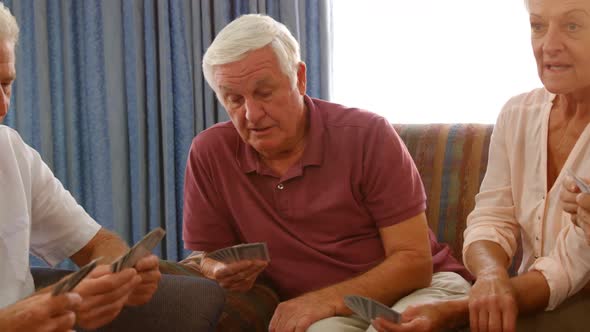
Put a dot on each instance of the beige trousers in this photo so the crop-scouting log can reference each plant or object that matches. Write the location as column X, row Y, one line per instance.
column 445, row 285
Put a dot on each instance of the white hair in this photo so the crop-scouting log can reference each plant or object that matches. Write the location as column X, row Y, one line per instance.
column 248, row 33
column 8, row 26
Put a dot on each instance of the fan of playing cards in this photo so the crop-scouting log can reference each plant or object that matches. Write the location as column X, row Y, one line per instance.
column 370, row 309
column 240, row 252
column 67, row 284
column 141, row 249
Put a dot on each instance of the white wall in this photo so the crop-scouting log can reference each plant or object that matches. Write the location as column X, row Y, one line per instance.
column 422, row 61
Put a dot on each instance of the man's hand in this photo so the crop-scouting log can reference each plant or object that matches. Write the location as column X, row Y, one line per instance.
column 297, row 314
column 103, row 295
column 147, row 268
column 41, row 313
column 492, row 303
column 238, row 276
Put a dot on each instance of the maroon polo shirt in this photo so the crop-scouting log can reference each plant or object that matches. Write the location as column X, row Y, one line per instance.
column 321, row 219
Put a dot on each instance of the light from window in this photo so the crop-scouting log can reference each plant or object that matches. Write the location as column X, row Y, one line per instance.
column 432, row 61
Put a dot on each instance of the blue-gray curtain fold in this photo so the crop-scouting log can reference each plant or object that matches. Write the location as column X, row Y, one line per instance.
column 111, row 93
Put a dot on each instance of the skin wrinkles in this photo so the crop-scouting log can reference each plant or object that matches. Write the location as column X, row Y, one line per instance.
column 560, row 36
column 266, row 109
column 7, row 76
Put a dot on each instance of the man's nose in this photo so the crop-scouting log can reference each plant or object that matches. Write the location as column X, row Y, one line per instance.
column 254, row 111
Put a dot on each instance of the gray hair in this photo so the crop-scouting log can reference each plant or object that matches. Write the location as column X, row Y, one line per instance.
column 248, row 33
column 8, row 26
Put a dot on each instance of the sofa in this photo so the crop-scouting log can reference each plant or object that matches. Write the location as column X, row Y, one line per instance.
column 451, row 160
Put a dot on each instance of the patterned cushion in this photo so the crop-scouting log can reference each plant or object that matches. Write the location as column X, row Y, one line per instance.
column 452, row 160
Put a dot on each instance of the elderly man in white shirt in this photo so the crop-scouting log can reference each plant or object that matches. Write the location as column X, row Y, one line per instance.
column 37, row 215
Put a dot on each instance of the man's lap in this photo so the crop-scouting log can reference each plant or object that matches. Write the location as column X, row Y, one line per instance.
column 445, row 285
column 181, row 303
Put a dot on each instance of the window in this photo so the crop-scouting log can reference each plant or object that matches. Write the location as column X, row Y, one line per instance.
column 428, row 61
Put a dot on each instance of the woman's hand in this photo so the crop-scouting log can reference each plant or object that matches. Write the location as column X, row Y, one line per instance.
column 583, row 214
column 568, row 193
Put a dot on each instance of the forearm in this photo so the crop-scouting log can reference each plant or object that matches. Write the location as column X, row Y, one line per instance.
column 532, row 295
column 486, row 257
column 400, row 274
column 104, row 244
column 532, row 292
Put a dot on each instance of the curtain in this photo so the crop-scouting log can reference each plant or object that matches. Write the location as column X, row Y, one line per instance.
column 111, row 94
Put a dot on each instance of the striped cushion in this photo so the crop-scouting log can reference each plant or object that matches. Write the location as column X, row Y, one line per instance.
column 451, row 159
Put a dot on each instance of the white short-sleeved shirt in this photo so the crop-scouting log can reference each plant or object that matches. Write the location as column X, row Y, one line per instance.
column 37, row 215
column 514, row 199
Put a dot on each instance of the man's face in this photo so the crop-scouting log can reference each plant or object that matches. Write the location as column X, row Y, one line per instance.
column 266, row 109
column 560, row 35
column 7, row 76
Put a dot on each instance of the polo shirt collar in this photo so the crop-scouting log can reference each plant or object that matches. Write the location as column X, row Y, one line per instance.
column 313, row 154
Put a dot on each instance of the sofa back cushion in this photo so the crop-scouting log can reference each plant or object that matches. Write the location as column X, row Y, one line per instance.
column 452, row 160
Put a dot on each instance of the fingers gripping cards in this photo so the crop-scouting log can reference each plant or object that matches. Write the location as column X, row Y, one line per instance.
column 584, row 187
column 370, row 309
column 257, row 250
column 140, row 250
column 69, row 283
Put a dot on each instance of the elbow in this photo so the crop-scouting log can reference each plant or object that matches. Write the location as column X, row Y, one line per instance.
column 420, row 269
column 425, row 271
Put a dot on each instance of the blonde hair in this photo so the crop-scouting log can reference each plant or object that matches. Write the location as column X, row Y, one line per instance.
column 248, row 33
column 8, row 26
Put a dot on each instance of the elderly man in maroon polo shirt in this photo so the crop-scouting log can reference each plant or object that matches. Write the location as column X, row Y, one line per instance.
column 332, row 191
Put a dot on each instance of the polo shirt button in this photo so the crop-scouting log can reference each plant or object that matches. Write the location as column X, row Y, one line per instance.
column 280, row 186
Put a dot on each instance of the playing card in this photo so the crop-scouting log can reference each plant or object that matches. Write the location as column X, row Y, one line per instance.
column 67, row 284
column 370, row 309
column 257, row 250
column 140, row 250
column 221, row 255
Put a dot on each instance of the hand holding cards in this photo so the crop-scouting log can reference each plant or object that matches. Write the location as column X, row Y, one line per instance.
column 239, row 252
column 370, row 309
column 140, row 250
column 69, row 283
column 584, row 187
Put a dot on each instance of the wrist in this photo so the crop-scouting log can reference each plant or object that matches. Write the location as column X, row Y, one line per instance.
column 457, row 313
column 329, row 299
column 493, row 272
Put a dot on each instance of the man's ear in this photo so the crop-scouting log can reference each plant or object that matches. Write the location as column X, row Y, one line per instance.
column 301, row 78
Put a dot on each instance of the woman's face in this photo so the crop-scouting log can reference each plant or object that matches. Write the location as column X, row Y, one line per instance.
column 560, row 35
